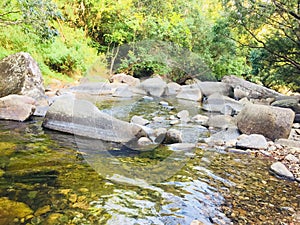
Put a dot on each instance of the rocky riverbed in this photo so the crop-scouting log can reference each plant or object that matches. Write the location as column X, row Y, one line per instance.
column 148, row 130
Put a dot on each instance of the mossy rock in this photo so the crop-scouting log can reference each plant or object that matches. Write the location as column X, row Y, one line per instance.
column 12, row 210
column 6, row 148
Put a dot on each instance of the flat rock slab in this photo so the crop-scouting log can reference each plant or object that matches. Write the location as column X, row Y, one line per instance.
column 249, row 89
column 288, row 143
column 82, row 118
column 281, row 170
column 94, row 88
column 208, row 88
column 16, row 107
column 182, row 146
column 253, row 141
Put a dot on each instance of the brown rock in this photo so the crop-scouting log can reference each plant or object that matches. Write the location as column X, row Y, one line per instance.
column 127, row 79
column 272, row 122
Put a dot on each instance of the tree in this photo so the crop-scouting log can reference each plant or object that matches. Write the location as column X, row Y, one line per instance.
column 33, row 15
column 271, row 29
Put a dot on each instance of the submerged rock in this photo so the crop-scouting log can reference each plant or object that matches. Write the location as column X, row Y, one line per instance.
column 272, row 122
column 16, row 107
column 20, row 74
column 82, row 118
column 9, row 210
column 182, row 146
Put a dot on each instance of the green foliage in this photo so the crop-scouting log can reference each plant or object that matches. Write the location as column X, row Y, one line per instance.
column 62, row 58
column 157, row 57
column 270, row 29
column 34, row 16
column 198, row 38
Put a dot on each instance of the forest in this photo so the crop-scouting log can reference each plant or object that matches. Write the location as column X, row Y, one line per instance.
column 255, row 39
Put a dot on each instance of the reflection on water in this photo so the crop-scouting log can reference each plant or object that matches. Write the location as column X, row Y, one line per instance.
column 44, row 179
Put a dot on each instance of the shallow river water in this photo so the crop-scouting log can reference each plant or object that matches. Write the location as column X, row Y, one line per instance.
column 45, row 178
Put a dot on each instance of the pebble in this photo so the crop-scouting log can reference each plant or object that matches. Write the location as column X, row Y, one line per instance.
column 184, row 115
column 272, row 148
column 292, row 158
column 158, row 119
column 174, row 122
column 148, row 98
column 163, row 103
column 172, row 117
column 296, row 125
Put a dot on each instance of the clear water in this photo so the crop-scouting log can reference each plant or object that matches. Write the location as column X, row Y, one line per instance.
column 46, row 172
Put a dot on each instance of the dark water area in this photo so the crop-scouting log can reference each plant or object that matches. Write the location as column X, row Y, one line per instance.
column 46, row 178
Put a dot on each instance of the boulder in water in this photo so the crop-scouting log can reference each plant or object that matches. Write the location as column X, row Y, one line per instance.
column 82, row 118
column 16, row 107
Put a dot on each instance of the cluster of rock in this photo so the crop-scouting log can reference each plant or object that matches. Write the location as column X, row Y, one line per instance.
column 240, row 115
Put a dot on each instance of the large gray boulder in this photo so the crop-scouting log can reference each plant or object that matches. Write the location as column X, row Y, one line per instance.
column 222, row 104
column 154, row 86
column 208, row 88
column 190, row 92
column 20, row 74
column 292, row 103
column 248, row 89
column 16, row 107
column 82, row 118
column 173, row 88
column 272, row 122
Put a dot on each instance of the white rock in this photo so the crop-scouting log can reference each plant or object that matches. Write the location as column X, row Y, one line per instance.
column 200, row 119
column 163, row 103
column 292, row 158
column 174, row 122
column 144, row 141
column 281, row 170
column 253, row 141
column 139, row 120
